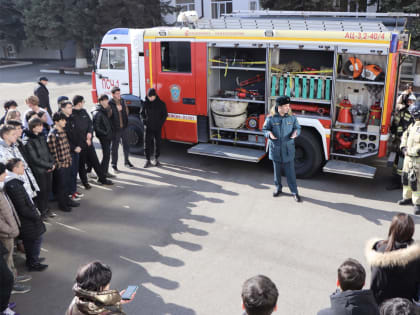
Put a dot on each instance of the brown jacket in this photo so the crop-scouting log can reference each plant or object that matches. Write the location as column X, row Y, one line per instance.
column 95, row 303
column 9, row 220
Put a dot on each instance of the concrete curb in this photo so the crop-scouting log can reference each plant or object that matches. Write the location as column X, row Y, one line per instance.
column 20, row 64
column 68, row 72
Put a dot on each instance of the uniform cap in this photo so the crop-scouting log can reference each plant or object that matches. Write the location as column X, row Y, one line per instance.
column 43, row 79
column 282, row 100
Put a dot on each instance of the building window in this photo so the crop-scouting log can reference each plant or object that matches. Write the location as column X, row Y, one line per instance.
column 185, row 5
column 253, row 5
column 220, row 7
column 176, row 56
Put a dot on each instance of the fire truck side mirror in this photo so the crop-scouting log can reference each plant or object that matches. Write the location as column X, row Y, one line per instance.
column 95, row 53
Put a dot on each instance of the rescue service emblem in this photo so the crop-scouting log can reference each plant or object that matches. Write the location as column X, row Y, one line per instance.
column 175, row 93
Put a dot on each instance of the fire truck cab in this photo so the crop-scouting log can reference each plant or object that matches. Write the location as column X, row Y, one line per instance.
column 220, row 78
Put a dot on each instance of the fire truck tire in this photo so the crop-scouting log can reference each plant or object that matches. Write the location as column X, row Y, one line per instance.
column 308, row 157
column 135, row 134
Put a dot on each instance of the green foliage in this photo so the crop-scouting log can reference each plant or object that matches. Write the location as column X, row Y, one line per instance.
column 11, row 22
column 407, row 6
column 131, row 13
column 53, row 22
column 44, row 22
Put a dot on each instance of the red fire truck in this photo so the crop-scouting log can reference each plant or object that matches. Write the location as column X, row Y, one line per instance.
column 219, row 79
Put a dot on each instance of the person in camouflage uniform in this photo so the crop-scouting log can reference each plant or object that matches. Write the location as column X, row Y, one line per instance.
column 402, row 120
column 410, row 147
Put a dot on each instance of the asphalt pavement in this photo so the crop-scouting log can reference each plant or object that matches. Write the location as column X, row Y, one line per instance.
column 192, row 231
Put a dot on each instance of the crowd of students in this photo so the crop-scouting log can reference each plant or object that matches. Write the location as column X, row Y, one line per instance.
column 41, row 157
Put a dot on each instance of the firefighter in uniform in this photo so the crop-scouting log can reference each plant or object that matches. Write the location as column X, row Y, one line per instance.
column 410, row 146
column 281, row 128
column 402, row 120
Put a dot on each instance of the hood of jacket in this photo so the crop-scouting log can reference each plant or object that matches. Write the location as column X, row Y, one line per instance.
column 157, row 100
column 4, row 144
column 29, row 135
column 90, row 302
column 100, row 108
column 396, row 258
column 11, row 176
column 353, row 302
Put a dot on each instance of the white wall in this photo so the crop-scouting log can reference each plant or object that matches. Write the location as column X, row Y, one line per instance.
column 236, row 5
column 69, row 52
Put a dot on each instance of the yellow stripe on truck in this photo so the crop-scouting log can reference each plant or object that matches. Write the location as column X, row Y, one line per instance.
column 279, row 39
column 150, row 64
column 182, row 118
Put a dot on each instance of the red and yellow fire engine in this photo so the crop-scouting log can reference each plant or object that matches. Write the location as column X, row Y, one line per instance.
column 219, row 79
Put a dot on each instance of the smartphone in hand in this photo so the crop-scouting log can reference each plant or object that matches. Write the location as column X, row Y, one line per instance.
column 129, row 292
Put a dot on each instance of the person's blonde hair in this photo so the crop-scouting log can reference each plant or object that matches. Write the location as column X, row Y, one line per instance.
column 33, row 100
column 12, row 114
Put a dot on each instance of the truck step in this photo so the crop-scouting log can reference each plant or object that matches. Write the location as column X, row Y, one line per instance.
column 349, row 168
column 228, row 152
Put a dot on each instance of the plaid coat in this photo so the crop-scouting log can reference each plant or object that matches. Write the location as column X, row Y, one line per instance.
column 60, row 148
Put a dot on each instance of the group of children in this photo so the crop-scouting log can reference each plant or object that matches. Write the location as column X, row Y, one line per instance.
column 40, row 158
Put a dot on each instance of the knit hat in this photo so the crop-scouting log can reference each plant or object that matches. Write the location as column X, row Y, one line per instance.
column 282, row 100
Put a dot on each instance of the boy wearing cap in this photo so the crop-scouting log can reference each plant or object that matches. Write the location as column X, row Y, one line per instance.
column 153, row 114
column 43, row 94
column 281, row 129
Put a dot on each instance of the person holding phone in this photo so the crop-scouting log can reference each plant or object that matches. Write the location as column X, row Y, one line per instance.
column 281, row 128
column 93, row 294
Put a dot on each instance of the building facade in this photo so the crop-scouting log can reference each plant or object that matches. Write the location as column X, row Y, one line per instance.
column 213, row 9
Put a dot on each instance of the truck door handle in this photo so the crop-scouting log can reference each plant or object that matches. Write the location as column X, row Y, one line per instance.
column 102, row 77
column 188, row 101
column 125, row 83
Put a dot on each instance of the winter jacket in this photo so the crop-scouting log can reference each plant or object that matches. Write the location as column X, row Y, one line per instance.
column 75, row 132
column 31, row 226
column 115, row 118
column 83, row 123
column 395, row 273
column 102, row 123
column 44, row 96
column 98, row 303
column 283, row 148
column 9, row 219
column 39, row 156
column 358, row 302
column 9, row 152
column 154, row 114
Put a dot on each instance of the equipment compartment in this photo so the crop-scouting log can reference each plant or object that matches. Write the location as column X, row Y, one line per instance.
column 305, row 76
column 359, row 97
column 236, row 92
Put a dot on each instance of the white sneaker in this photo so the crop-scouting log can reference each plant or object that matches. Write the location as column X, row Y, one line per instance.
column 8, row 311
column 74, row 197
column 92, row 175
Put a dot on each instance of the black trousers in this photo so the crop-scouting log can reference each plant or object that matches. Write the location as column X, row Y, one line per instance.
column 44, row 181
column 61, row 186
column 88, row 156
column 106, row 154
column 120, row 135
column 152, row 141
column 6, row 284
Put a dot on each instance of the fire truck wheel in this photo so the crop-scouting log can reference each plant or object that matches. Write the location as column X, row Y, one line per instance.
column 135, row 135
column 308, row 157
